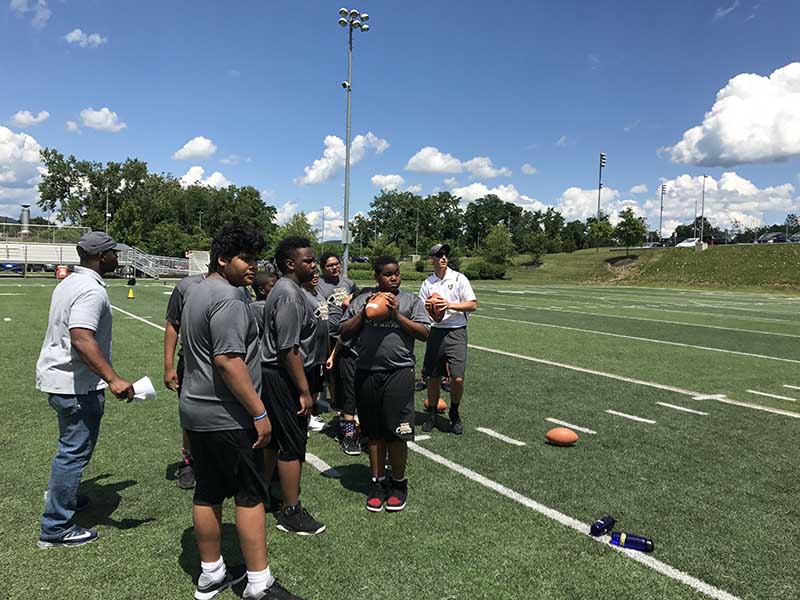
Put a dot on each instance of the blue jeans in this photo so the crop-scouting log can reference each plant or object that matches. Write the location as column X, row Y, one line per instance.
column 78, row 427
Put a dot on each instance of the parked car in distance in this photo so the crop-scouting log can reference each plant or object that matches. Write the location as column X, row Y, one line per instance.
column 776, row 237
column 360, row 259
column 687, row 243
column 653, row 245
column 795, row 238
column 10, row 268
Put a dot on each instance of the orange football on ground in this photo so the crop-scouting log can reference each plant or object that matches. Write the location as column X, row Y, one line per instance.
column 377, row 308
column 561, row 436
column 435, row 307
column 441, row 406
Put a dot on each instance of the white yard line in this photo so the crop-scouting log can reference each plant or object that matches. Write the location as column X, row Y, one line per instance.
column 631, row 417
column 765, row 394
column 421, row 438
column 791, row 387
column 631, row 318
column 138, row 318
column 570, row 425
column 321, row 466
column 645, row 559
column 641, row 339
column 682, row 408
column 500, row 436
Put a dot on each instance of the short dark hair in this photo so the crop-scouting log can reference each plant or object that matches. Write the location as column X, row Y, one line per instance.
column 261, row 278
column 287, row 250
column 233, row 240
column 326, row 255
column 382, row 261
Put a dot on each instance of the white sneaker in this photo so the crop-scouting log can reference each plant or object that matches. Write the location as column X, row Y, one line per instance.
column 316, row 423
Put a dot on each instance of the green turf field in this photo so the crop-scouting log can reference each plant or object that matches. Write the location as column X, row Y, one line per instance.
column 715, row 488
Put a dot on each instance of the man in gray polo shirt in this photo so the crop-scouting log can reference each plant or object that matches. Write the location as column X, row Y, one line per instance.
column 74, row 368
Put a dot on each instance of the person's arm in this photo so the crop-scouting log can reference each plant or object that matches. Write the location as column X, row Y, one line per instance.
column 234, row 373
column 332, row 357
column 292, row 361
column 467, row 306
column 417, row 330
column 88, row 349
column 170, row 343
column 351, row 324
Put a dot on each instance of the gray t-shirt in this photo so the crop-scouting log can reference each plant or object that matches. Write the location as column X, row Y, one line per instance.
column 178, row 297
column 385, row 345
column 257, row 310
column 288, row 322
column 78, row 302
column 216, row 320
column 335, row 293
column 319, row 306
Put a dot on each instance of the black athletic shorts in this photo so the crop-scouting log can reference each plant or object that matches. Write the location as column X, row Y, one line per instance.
column 282, row 401
column 315, row 379
column 344, row 382
column 226, row 465
column 386, row 404
column 446, row 346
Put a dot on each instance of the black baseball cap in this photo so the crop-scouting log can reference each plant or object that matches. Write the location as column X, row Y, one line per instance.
column 437, row 248
column 95, row 242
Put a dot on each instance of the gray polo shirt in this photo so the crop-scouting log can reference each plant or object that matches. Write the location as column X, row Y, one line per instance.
column 385, row 345
column 288, row 322
column 319, row 306
column 335, row 293
column 80, row 301
column 257, row 310
column 216, row 320
column 178, row 297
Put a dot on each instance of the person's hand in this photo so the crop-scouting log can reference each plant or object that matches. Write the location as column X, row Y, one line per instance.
column 346, row 301
column 329, row 363
column 264, row 432
column 171, row 379
column 121, row 388
column 393, row 304
column 306, row 404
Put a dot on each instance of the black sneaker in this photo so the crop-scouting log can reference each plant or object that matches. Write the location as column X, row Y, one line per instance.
column 350, row 445
column 296, row 519
column 420, row 385
column 207, row 589
column 274, row 592
column 446, row 384
column 457, row 426
column 398, row 495
column 77, row 536
column 185, row 478
column 377, row 496
column 427, row 426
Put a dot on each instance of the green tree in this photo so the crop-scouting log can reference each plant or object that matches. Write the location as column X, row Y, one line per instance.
column 576, row 231
column 535, row 244
column 631, row 229
column 600, row 231
column 498, row 246
column 299, row 226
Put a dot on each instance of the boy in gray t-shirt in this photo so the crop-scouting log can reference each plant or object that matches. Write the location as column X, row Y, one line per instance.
column 384, row 381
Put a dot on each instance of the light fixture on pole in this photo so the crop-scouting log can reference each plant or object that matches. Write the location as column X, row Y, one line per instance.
column 599, row 189
column 352, row 19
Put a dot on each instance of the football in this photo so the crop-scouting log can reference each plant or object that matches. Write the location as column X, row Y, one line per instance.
column 435, row 307
column 377, row 308
column 561, row 436
column 441, row 406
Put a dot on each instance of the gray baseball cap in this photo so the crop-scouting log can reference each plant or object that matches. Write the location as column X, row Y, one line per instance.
column 436, row 248
column 95, row 242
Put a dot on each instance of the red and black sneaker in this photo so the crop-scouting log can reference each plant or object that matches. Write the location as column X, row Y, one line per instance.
column 398, row 495
column 377, row 496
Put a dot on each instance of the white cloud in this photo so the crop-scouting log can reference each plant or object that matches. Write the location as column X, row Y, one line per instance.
column 194, row 176
column 577, row 203
column 631, row 126
column 754, row 119
column 414, row 189
column 333, row 157
column 93, row 40
column 721, row 12
column 387, row 182
column 562, row 141
column 333, row 221
column 231, row 159
column 20, row 170
column 25, row 118
column 432, row 160
column 451, row 182
column 197, row 148
column 41, row 14
column 639, row 189
column 268, row 195
column 286, row 212
column 72, row 127
column 506, row 193
column 529, row 169
column 103, row 119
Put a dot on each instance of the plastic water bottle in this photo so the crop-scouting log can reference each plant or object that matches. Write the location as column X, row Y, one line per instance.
column 602, row 525
column 632, row 541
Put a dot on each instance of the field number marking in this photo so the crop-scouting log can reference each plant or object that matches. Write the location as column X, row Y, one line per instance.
column 631, row 417
column 682, row 408
column 500, row 436
column 570, row 425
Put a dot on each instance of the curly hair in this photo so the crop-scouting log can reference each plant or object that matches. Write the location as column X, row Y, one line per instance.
column 326, row 255
column 287, row 250
column 234, row 240
column 382, row 261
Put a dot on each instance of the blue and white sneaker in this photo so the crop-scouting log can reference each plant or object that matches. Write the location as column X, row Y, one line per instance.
column 74, row 537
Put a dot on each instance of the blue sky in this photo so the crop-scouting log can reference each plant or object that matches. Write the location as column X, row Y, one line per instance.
column 457, row 96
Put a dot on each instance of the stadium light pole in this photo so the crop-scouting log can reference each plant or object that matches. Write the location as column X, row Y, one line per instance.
column 599, row 189
column 661, row 213
column 703, row 209
column 352, row 19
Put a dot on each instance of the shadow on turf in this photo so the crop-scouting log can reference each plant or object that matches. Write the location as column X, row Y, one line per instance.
column 189, row 559
column 105, row 499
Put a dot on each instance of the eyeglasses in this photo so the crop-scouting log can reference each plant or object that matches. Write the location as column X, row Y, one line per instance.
column 332, row 265
column 440, row 255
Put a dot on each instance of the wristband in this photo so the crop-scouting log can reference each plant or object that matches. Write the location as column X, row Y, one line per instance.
column 261, row 416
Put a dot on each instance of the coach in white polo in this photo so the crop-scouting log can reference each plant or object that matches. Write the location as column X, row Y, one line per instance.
column 447, row 341
column 74, row 368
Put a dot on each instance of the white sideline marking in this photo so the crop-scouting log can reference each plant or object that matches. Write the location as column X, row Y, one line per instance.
column 500, row 436
column 503, row 309
column 645, row 559
column 682, row 408
column 11, row 294
column 421, row 438
column 641, row 339
column 6, row 319
column 710, row 397
column 791, row 387
column 138, row 318
column 771, row 395
column 631, row 417
column 321, row 466
column 570, row 425
column 631, row 318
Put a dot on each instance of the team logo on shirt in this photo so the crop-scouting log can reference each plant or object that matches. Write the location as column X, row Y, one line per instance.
column 450, row 286
column 404, row 429
column 338, row 295
column 321, row 312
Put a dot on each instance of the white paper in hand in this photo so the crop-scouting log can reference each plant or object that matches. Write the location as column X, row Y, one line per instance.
column 144, row 390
